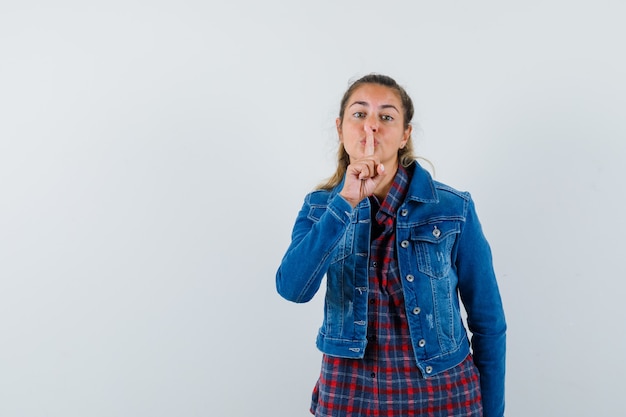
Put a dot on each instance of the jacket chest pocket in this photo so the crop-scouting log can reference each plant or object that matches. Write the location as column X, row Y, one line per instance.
column 433, row 244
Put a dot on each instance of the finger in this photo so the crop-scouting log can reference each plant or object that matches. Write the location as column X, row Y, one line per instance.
column 365, row 172
column 369, row 141
column 380, row 173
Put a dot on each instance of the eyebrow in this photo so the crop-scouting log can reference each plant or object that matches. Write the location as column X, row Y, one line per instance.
column 384, row 106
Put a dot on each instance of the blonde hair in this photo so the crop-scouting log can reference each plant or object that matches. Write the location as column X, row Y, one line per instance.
column 406, row 154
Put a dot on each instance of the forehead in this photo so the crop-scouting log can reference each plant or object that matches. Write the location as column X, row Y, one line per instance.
column 375, row 94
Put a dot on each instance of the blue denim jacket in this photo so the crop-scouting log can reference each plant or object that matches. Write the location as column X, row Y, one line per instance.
column 442, row 254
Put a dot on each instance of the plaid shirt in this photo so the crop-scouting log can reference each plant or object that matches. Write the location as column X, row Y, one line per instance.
column 387, row 381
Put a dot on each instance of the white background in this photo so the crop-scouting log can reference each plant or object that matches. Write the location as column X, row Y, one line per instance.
column 154, row 154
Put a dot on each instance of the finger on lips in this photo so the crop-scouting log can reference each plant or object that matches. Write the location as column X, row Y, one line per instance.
column 369, row 142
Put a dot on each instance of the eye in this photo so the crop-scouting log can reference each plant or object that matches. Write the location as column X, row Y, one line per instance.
column 386, row 118
column 359, row 114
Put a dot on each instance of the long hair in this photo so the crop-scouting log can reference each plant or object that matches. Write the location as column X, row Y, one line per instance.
column 406, row 154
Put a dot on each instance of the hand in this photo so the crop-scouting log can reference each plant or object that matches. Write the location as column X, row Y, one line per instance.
column 364, row 174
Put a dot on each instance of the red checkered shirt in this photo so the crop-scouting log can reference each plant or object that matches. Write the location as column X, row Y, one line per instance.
column 387, row 381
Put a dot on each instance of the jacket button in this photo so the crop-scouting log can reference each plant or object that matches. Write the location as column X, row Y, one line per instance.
column 404, row 244
column 404, row 212
column 421, row 343
column 429, row 369
column 410, row 278
column 436, row 232
column 417, row 310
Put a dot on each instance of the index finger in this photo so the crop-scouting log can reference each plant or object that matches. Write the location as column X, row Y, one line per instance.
column 369, row 142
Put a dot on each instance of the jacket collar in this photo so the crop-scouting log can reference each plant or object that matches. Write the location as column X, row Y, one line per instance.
column 422, row 188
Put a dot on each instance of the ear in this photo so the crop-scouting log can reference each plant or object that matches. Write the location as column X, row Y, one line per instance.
column 406, row 135
column 338, row 124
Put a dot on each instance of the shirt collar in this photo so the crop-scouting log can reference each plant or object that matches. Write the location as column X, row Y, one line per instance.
column 397, row 192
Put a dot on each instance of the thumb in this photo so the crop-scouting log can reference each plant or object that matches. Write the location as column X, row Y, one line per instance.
column 380, row 169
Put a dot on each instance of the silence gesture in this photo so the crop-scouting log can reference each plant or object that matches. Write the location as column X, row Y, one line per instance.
column 364, row 174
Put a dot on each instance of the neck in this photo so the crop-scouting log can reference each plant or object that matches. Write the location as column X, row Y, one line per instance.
column 383, row 188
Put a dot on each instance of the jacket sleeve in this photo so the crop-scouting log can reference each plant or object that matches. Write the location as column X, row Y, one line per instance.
column 480, row 295
column 316, row 233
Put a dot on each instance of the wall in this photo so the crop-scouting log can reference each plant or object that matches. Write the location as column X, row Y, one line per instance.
column 153, row 157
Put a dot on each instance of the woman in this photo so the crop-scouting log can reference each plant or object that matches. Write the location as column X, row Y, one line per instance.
column 398, row 250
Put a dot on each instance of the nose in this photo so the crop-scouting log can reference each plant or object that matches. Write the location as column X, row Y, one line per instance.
column 372, row 123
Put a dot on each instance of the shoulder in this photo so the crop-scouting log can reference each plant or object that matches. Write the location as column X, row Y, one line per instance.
column 425, row 189
column 319, row 197
column 448, row 192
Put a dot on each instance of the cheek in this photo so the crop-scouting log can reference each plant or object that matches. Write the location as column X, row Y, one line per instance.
column 350, row 131
column 351, row 143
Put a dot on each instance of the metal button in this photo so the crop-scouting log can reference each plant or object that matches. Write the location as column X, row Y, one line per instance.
column 404, row 212
column 421, row 343
column 429, row 369
column 436, row 232
column 404, row 244
column 410, row 278
column 374, row 264
column 417, row 310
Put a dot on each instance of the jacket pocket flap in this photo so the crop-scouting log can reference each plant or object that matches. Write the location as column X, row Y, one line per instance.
column 436, row 231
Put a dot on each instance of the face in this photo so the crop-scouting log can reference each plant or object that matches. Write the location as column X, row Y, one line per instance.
column 379, row 109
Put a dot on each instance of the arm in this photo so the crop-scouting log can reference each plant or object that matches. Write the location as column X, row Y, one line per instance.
column 314, row 238
column 312, row 243
column 480, row 295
